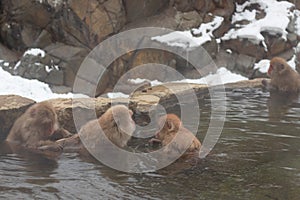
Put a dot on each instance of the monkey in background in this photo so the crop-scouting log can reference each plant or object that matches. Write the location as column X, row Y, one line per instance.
column 38, row 126
column 283, row 78
column 170, row 125
column 116, row 124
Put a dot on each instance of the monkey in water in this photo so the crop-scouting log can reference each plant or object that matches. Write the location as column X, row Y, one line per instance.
column 38, row 126
column 283, row 78
column 116, row 125
column 169, row 125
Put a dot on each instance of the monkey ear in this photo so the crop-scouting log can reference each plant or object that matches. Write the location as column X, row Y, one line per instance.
column 117, row 121
column 170, row 125
column 281, row 68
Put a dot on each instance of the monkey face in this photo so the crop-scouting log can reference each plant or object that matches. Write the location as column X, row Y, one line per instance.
column 123, row 119
column 277, row 66
column 167, row 127
column 45, row 118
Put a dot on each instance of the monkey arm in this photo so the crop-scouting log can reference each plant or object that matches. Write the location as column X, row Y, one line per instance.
column 59, row 134
column 154, row 140
column 267, row 85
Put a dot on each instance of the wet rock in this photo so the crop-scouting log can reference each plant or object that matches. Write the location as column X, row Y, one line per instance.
column 11, row 107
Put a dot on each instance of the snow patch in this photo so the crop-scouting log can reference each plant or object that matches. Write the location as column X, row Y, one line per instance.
column 222, row 76
column 114, row 95
column 276, row 21
column 140, row 80
column 32, row 89
column 187, row 39
column 35, row 52
column 262, row 66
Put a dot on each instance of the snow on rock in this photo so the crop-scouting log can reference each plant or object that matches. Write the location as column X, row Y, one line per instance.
column 292, row 62
column 114, row 95
column 297, row 21
column 35, row 52
column 276, row 21
column 32, row 89
column 140, row 80
column 222, row 76
column 186, row 39
column 262, row 65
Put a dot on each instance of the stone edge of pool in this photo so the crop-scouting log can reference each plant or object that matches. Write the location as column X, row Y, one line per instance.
column 12, row 106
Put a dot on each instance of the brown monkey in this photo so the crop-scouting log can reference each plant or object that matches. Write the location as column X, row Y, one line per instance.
column 283, row 77
column 116, row 123
column 170, row 125
column 36, row 127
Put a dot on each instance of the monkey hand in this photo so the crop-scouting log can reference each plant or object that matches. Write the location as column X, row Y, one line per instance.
column 54, row 147
column 154, row 140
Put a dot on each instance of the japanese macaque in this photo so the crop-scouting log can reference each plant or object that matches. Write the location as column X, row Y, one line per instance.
column 283, row 77
column 38, row 126
column 170, row 125
column 116, row 125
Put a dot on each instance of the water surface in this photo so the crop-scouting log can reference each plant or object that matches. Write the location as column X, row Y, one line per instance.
column 256, row 157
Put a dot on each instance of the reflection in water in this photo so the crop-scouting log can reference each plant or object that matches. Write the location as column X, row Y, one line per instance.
column 279, row 104
column 255, row 158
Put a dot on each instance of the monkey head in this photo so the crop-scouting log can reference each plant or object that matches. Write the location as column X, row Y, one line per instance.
column 44, row 116
column 278, row 66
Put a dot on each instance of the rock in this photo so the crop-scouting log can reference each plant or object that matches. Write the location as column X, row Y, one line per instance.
column 39, row 67
column 150, row 56
column 184, row 6
column 87, row 109
column 224, row 8
column 245, row 64
column 188, row 20
column 244, row 46
column 102, row 19
column 25, row 20
column 70, row 59
column 55, row 77
column 276, row 45
column 7, row 55
column 239, row 63
column 226, row 59
column 60, row 89
column 11, row 107
column 43, row 40
column 140, row 9
column 292, row 38
column 164, row 19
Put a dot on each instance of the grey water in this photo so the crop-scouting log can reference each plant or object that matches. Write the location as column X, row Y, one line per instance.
column 256, row 157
